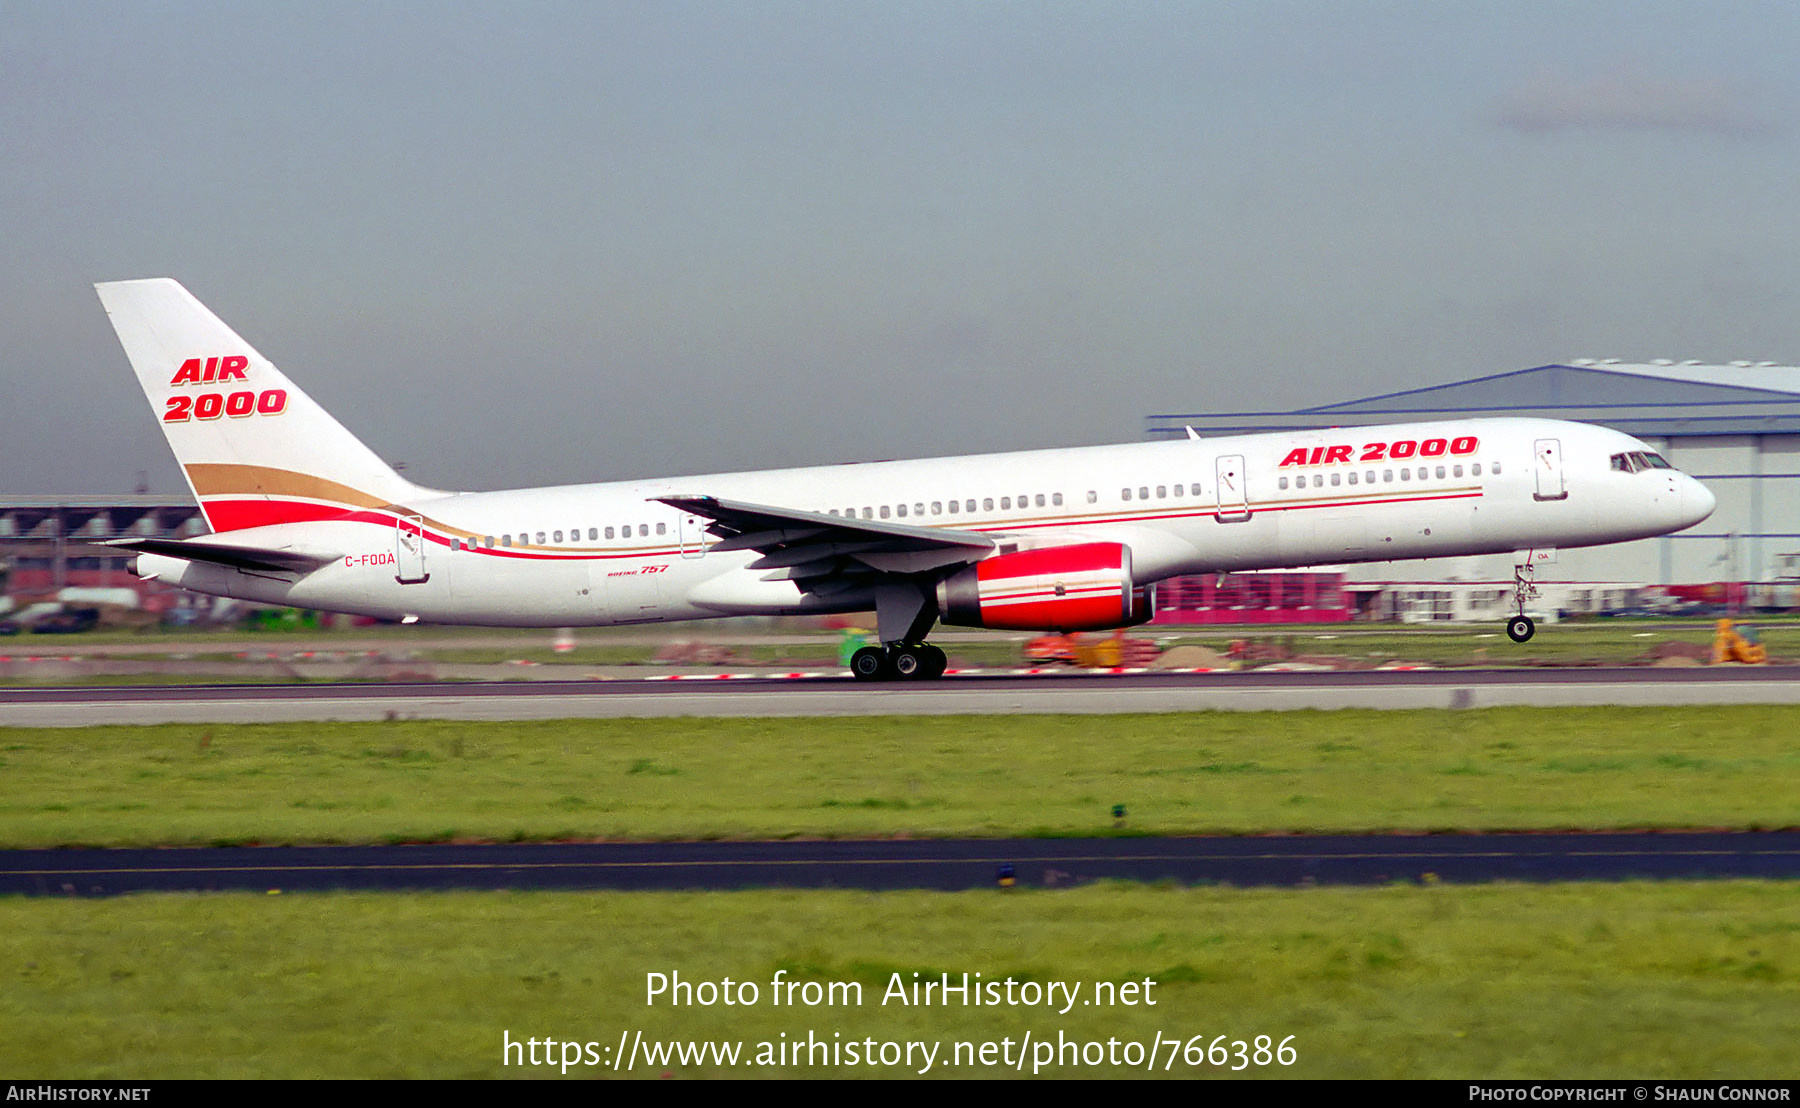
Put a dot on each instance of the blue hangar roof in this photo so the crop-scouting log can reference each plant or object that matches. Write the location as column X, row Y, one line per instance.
column 1663, row 399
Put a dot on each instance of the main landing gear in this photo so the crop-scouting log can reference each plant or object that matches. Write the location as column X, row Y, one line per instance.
column 899, row 662
column 904, row 613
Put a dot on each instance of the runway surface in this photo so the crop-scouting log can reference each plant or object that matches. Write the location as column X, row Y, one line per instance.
column 914, row 864
column 64, row 706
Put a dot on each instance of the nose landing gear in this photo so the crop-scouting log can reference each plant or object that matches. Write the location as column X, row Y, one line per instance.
column 1520, row 628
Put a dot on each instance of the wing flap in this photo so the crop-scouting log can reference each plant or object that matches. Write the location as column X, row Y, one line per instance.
column 787, row 537
column 758, row 540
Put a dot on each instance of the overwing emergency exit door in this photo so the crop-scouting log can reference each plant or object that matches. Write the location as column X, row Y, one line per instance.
column 691, row 531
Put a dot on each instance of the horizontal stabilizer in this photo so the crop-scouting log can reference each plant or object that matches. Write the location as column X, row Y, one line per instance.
column 254, row 558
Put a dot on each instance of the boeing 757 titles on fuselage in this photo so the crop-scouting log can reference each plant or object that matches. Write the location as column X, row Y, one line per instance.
column 303, row 514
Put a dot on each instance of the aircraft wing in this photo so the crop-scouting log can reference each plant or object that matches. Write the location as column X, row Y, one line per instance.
column 798, row 545
column 253, row 558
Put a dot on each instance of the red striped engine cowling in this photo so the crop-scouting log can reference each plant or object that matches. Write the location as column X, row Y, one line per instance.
column 1085, row 587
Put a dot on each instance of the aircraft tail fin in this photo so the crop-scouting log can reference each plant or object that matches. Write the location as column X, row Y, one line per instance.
column 254, row 448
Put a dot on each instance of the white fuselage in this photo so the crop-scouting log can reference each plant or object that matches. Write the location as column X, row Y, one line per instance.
column 586, row 555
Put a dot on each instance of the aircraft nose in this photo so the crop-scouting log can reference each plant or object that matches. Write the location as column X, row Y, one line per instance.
column 1697, row 501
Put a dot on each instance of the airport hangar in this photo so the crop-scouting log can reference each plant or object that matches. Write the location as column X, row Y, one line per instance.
column 1736, row 427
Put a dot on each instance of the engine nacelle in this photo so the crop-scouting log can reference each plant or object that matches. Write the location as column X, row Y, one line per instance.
column 1086, row 587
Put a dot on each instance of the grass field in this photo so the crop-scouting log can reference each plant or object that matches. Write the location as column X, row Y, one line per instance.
column 1676, row 980
column 941, row 776
column 1636, row 980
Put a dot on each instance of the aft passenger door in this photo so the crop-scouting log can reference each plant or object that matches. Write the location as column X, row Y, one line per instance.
column 1234, row 498
column 409, row 551
column 1548, row 466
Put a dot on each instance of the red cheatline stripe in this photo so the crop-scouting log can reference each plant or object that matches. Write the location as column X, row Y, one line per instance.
column 236, row 514
column 1207, row 513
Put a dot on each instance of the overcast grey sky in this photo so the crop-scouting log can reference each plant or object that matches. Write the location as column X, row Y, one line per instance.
column 533, row 243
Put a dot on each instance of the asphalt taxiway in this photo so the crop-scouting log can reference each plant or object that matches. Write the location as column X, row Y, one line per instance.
column 1297, row 860
column 1103, row 693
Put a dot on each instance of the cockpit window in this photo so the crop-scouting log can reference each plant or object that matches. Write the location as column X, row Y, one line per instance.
column 1636, row 461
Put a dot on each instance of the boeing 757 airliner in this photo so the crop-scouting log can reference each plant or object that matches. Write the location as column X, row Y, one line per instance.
column 302, row 513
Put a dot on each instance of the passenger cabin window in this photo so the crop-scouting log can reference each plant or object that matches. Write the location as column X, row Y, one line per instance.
column 1056, row 499
column 900, row 511
column 1281, row 484
column 662, row 528
column 1125, row 494
column 1093, row 496
column 1006, row 503
column 609, row 532
column 987, row 503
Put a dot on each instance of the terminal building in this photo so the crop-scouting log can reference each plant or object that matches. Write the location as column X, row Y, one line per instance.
column 1736, row 427
column 48, row 551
